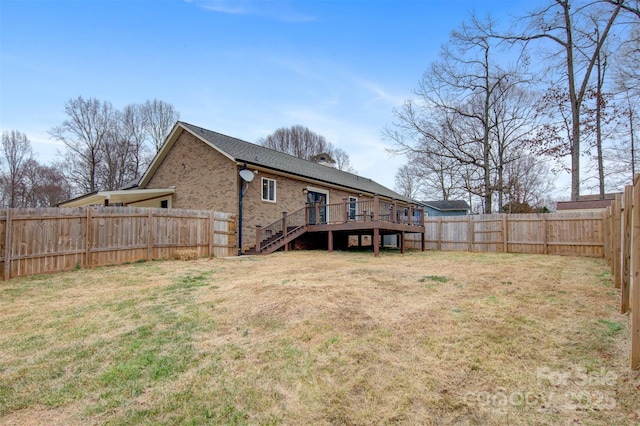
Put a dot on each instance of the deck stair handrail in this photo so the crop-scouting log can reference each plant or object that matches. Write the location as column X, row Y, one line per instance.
column 280, row 232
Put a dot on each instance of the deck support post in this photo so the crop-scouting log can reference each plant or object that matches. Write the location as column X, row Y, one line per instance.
column 376, row 242
column 330, row 241
column 402, row 243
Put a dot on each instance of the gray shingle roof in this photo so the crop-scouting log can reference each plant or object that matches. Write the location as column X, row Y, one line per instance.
column 448, row 205
column 261, row 156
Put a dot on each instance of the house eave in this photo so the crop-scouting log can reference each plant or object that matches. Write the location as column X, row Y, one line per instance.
column 307, row 179
column 122, row 196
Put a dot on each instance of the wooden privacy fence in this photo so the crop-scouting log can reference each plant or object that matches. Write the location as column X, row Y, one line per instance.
column 551, row 233
column 43, row 240
column 622, row 221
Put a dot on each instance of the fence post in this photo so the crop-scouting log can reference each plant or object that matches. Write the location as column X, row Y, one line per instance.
column 617, row 213
column 545, row 235
column 470, row 231
column 149, row 235
column 89, row 230
column 626, row 249
column 605, row 234
column 7, row 246
column 212, row 233
column 635, row 297
column 439, row 233
column 505, row 237
column 423, row 244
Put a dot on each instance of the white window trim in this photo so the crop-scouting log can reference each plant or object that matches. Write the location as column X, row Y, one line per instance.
column 275, row 190
column 352, row 199
column 319, row 191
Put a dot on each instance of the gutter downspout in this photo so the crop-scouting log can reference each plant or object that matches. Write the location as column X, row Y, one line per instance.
column 240, row 196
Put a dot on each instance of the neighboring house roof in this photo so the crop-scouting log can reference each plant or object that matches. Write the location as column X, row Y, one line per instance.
column 588, row 202
column 447, row 206
column 242, row 151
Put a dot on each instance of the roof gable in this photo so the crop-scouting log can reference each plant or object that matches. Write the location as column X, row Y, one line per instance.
column 242, row 151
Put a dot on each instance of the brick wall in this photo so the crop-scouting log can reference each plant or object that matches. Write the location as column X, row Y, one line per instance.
column 204, row 179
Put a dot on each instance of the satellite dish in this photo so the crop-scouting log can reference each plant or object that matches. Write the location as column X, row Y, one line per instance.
column 246, row 175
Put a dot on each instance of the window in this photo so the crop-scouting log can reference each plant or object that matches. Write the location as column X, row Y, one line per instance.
column 164, row 204
column 268, row 190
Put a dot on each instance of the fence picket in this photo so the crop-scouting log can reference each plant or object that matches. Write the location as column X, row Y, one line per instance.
column 38, row 241
column 554, row 233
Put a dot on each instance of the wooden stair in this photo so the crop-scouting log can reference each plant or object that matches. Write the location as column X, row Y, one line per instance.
column 278, row 240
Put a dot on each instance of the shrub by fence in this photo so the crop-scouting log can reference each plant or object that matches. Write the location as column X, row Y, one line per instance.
column 36, row 241
column 553, row 233
column 622, row 221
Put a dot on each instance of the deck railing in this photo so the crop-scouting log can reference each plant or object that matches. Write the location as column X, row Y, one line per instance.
column 279, row 227
column 364, row 211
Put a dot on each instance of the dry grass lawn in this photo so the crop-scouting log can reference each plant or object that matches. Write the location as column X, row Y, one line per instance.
column 319, row 338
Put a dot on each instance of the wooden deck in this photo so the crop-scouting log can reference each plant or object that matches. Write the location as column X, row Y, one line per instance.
column 372, row 217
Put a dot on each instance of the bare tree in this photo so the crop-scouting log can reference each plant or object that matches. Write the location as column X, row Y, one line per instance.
column 298, row 141
column 528, row 185
column 133, row 129
column 303, row 143
column 559, row 23
column 408, row 181
column 439, row 177
column 125, row 152
column 116, row 169
column 627, row 83
column 84, row 133
column 46, row 185
column 513, row 114
column 159, row 118
column 343, row 162
column 24, row 182
column 461, row 109
column 16, row 154
column 106, row 148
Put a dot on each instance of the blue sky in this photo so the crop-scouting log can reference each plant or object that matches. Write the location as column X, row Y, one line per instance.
column 242, row 68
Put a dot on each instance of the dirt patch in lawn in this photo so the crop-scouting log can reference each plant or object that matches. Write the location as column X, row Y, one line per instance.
column 313, row 337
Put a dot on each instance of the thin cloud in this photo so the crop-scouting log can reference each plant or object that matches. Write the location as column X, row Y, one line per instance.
column 379, row 93
column 280, row 10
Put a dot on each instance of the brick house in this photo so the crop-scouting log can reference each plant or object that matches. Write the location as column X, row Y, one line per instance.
column 200, row 169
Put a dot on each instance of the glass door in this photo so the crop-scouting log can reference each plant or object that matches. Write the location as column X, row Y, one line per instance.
column 319, row 198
